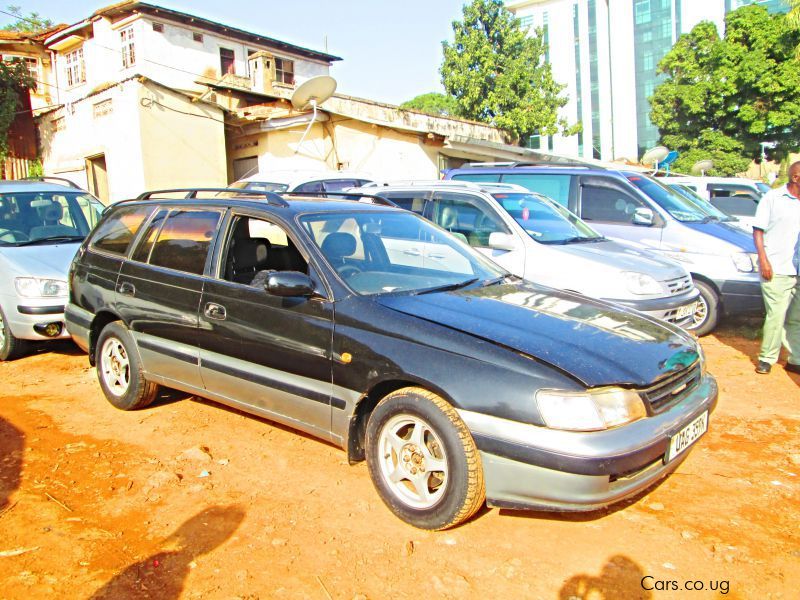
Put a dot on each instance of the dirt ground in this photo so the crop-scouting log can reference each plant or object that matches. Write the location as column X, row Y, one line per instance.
column 188, row 499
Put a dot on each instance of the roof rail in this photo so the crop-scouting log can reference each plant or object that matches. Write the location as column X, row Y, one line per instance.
column 46, row 178
column 189, row 193
column 555, row 161
column 366, row 198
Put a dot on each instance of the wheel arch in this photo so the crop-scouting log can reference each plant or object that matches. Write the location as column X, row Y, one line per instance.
column 101, row 319
column 357, row 428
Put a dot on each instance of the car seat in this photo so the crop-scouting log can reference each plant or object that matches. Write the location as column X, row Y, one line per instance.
column 248, row 256
column 52, row 225
column 337, row 246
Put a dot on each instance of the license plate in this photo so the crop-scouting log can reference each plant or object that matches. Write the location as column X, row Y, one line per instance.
column 685, row 311
column 687, row 436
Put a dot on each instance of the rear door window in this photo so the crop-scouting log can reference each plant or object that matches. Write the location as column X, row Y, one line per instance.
column 184, row 240
column 413, row 200
column 115, row 234
column 555, row 186
column 467, row 217
column 608, row 205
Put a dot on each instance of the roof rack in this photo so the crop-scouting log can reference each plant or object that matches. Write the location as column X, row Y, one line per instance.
column 46, row 178
column 366, row 198
column 189, row 193
column 555, row 161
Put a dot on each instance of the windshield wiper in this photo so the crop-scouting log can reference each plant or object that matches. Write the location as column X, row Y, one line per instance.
column 710, row 219
column 579, row 239
column 446, row 287
column 53, row 238
column 496, row 280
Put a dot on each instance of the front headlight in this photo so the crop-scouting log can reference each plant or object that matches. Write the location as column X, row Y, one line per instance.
column 34, row 287
column 745, row 262
column 641, row 283
column 593, row 410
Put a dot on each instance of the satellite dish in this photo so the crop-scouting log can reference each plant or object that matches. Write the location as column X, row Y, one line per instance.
column 655, row 155
column 308, row 95
column 667, row 161
column 701, row 166
column 313, row 92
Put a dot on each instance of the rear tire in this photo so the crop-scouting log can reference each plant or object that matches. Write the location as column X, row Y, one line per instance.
column 119, row 370
column 706, row 316
column 11, row 347
column 423, row 460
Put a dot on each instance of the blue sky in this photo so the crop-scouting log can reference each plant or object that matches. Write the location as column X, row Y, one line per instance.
column 391, row 49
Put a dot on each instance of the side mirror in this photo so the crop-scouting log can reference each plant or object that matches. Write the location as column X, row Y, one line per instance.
column 503, row 241
column 643, row 216
column 289, row 283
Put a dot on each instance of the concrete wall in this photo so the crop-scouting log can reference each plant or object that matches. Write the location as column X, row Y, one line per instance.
column 146, row 143
column 106, row 123
column 380, row 152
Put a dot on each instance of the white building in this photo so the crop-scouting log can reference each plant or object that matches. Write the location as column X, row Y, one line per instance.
column 606, row 52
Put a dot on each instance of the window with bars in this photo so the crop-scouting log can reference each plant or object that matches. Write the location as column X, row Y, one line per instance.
column 284, row 71
column 128, row 49
column 76, row 71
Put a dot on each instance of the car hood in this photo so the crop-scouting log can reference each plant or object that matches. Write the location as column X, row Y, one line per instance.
column 626, row 258
column 48, row 261
column 728, row 232
column 595, row 342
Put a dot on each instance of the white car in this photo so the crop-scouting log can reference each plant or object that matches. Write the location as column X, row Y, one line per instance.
column 537, row 239
column 41, row 226
column 302, row 181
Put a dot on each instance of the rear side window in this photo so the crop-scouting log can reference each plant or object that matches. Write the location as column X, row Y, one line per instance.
column 607, row 205
column 184, row 241
column 413, row 201
column 554, row 186
column 116, row 233
column 741, row 207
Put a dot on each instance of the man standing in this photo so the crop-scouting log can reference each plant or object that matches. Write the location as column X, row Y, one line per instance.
column 776, row 233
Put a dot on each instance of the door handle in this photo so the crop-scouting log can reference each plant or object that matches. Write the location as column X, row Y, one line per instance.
column 437, row 256
column 412, row 252
column 126, row 288
column 215, row 311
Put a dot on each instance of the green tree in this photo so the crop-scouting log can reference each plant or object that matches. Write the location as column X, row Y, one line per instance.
column 433, row 103
column 722, row 97
column 794, row 21
column 498, row 75
column 33, row 22
column 15, row 79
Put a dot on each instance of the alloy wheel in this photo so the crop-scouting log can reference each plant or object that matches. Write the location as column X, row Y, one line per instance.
column 115, row 366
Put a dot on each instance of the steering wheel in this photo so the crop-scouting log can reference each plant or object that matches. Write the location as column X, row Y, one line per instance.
column 347, row 271
column 12, row 235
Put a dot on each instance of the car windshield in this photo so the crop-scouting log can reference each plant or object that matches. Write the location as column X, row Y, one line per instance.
column 693, row 197
column 544, row 220
column 396, row 252
column 29, row 218
column 260, row 186
column 680, row 207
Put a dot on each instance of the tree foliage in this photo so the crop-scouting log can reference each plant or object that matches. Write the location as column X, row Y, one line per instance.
column 793, row 19
column 33, row 22
column 497, row 73
column 433, row 103
column 15, row 79
column 724, row 96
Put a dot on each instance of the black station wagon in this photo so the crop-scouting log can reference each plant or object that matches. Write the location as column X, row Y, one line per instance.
column 372, row 328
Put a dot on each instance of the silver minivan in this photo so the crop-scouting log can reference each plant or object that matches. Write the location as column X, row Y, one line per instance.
column 541, row 241
column 41, row 226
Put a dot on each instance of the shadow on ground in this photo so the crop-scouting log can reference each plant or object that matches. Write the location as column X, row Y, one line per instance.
column 620, row 578
column 162, row 575
column 12, row 445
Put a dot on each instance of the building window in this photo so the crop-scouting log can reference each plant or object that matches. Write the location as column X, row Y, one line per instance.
column 32, row 64
column 158, row 27
column 128, row 50
column 76, row 72
column 526, row 22
column 642, row 11
column 227, row 61
column 284, row 71
column 197, row 37
column 648, row 61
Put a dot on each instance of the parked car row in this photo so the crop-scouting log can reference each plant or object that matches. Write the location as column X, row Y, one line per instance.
column 634, row 208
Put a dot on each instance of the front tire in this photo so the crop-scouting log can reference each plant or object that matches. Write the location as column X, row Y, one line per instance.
column 119, row 370
column 706, row 316
column 11, row 347
column 423, row 460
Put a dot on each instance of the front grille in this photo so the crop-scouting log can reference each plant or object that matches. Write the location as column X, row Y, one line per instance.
column 672, row 389
column 679, row 285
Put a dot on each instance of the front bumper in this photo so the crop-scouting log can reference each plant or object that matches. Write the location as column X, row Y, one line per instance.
column 667, row 308
column 27, row 315
column 531, row 467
